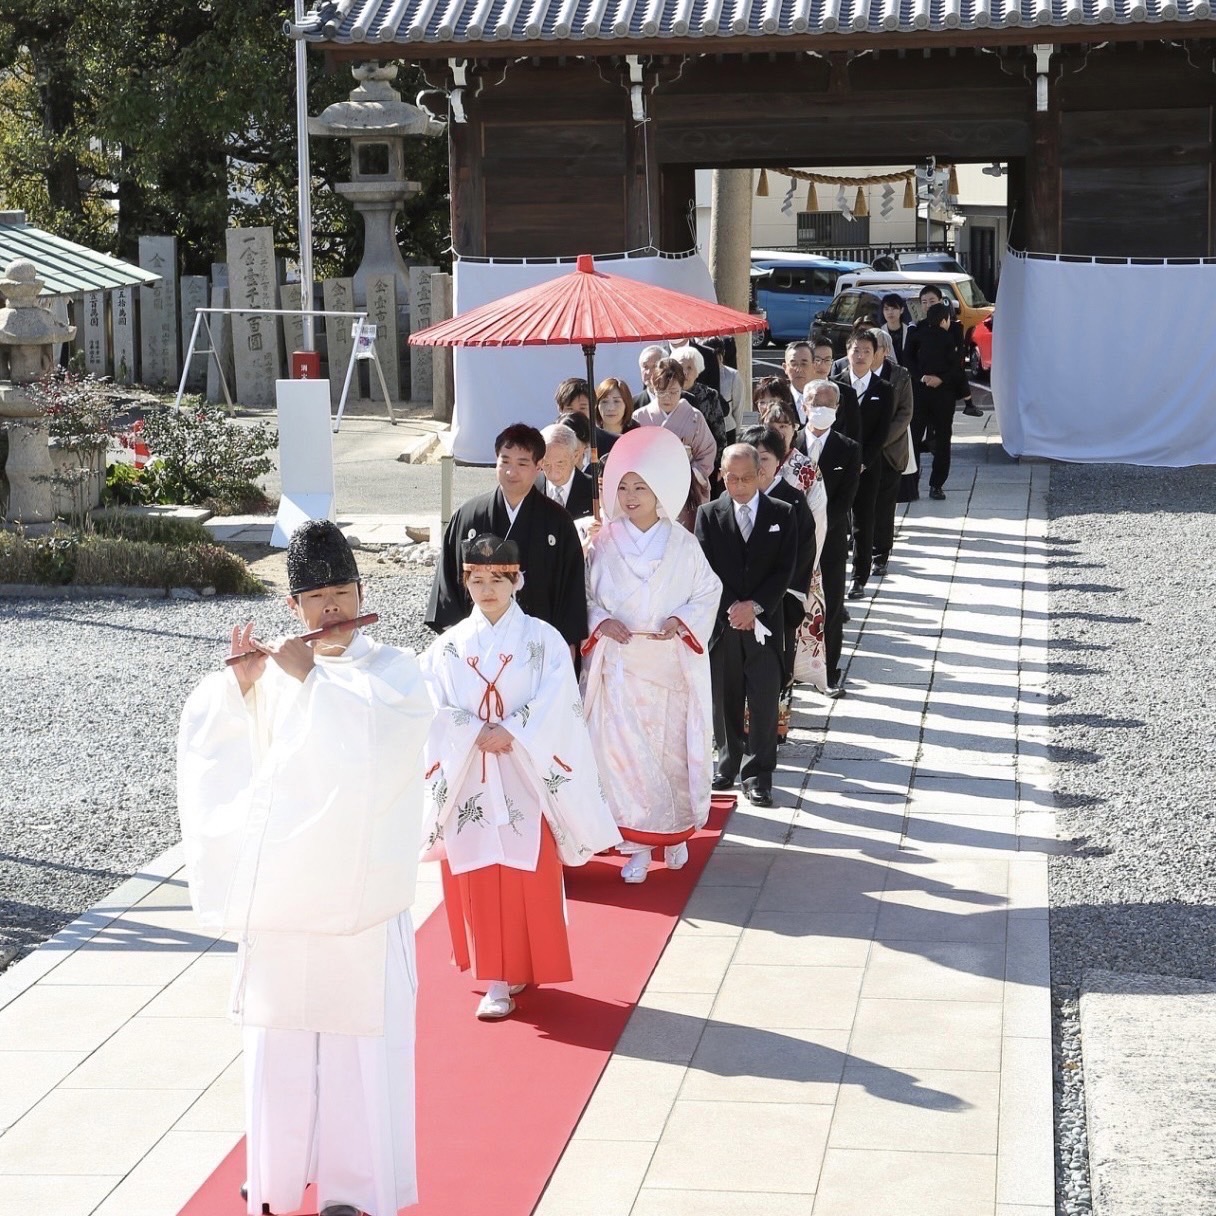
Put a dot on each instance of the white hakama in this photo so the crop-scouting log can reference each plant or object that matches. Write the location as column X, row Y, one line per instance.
column 301, row 809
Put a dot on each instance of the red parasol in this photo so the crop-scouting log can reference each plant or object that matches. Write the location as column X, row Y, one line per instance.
column 584, row 308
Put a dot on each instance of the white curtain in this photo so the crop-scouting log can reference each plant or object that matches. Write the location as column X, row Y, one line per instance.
column 1106, row 363
column 501, row 385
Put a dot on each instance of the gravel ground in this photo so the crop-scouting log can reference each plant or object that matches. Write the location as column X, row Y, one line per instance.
column 1133, row 715
column 90, row 694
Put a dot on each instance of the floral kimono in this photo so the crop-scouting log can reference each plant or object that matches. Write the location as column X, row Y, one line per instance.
column 810, row 656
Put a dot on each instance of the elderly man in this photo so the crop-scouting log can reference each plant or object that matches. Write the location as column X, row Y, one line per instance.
column 839, row 462
column 560, row 478
column 648, row 360
column 751, row 543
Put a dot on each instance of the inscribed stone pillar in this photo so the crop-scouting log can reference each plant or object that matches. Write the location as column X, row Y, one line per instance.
column 382, row 312
column 122, row 317
column 158, row 311
column 339, row 296
column 194, row 297
column 255, row 339
column 219, row 274
column 293, row 326
column 420, row 318
column 443, row 384
column 96, row 334
column 221, row 336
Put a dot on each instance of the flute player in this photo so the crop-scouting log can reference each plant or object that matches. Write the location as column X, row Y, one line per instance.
column 300, row 794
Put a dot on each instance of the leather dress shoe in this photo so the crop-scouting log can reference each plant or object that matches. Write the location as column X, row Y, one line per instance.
column 856, row 592
column 937, row 492
column 340, row 1209
column 972, row 410
column 880, row 563
column 758, row 795
column 722, row 782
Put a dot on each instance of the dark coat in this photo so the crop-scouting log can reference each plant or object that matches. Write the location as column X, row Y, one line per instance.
column 551, row 557
column 759, row 570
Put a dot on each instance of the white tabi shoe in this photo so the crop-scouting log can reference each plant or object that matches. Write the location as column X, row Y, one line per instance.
column 516, row 989
column 676, row 855
column 496, row 1004
column 634, row 870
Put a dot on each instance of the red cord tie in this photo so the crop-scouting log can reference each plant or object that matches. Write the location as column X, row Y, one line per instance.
column 430, row 772
column 491, row 699
column 563, row 764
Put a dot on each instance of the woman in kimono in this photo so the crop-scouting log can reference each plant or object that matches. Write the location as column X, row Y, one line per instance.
column 801, row 472
column 674, row 413
column 652, row 599
column 513, row 790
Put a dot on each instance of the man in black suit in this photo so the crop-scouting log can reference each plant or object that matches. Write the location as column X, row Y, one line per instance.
column 848, row 415
column 771, row 447
column 930, row 295
column 551, row 554
column 876, row 403
column 839, row 461
column 561, row 479
column 750, row 542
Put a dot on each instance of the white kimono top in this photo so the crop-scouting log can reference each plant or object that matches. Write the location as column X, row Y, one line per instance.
column 301, row 814
column 649, row 704
column 484, row 809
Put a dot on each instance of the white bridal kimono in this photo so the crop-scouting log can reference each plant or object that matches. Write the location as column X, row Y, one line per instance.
column 484, row 809
column 649, row 705
column 301, row 808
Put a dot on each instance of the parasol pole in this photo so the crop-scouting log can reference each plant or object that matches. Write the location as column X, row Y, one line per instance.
column 589, row 352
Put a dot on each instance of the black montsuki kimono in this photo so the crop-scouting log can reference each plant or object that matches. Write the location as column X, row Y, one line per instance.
column 550, row 554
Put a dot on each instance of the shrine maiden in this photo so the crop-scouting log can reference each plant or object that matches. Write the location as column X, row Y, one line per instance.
column 513, row 791
column 652, row 599
column 300, row 793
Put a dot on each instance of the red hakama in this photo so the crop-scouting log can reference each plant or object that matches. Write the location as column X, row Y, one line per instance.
column 510, row 924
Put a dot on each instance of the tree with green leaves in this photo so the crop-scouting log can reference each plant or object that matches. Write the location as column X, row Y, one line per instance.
column 119, row 119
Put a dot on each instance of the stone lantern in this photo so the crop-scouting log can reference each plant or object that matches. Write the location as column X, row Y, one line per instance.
column 377, row 122
column 28, row 332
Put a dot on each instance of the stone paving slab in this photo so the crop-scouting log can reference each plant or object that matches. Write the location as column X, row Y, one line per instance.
column 1146, row 1045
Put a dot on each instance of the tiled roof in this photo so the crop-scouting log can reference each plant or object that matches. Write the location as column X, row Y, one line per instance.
column 469, row 22
column 64, row 266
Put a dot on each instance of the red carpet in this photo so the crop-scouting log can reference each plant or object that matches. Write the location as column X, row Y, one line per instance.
column 513, row 1091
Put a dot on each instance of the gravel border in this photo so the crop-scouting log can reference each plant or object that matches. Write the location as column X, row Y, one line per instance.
column 1133, row 737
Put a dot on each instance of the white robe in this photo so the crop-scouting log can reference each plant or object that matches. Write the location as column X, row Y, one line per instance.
column 485, row 809
column 301, row 820
column 649, row 705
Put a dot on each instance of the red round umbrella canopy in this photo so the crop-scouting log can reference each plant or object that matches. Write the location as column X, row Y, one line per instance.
column 584, row 308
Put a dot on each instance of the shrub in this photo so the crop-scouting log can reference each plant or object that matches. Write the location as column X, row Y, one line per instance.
column 94, row 560
column 80, row 411
column 199, row 453
column 158, row 529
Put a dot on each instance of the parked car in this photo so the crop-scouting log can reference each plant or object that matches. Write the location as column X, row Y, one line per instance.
column 979, row 353
column 918, row 261
column 968, row 302
column 856, row 303
column 791, row 289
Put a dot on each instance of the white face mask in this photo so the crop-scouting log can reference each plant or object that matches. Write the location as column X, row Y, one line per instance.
column 822, row 417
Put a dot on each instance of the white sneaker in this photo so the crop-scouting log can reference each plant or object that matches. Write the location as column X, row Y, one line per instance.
column 676, row 855
column 634, row 870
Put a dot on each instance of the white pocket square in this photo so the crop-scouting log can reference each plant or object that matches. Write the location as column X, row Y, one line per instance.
column 775, row 528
